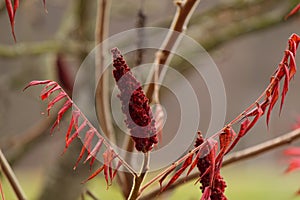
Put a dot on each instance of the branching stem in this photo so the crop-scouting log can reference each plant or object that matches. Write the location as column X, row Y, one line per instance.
column 11, row 177
column 238, row 156
column 184, row 11
column 138, row 180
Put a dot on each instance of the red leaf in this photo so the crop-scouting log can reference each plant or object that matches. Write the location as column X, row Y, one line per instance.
column 60, row 114
column 285, row 86
column 296, row 39
column 76, row 114
column 293, row 151
column 226, row 137
column 45, row 8
column 108, row 156
column 110, row 173
column 105, row 172
column 74, row 121
column 296, row 9
column 292, row 64
column 92, row 160
column 116, row 169
column 274, row 99
column 11, row 14
column 194, row 163
column 95, row 150
column 79, row 157
column 62, row 111
column 32, row 83
column 94, row 174
column 16, row 5
column 46, row 93
column 243, row 127
column 82, row 126
column 166, row 175
column 259, row 114
column 59, row 97
column 92, row 156
column 242, row 132
column 212, row 156
column 293, row 44
column 294, row 164
column 186, row 163
column 86, row 145
column 206, row 194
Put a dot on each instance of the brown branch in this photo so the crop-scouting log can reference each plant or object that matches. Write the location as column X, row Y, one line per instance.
column 184, row 11
column 211, row 29
column 90, row 194
column 138, row 180
column 229, row 20
column 21, row 143
column 128, row 143
column 50, row 46
column 236, row 157
column 242, row 19
column 11, row 177
column 102, row 91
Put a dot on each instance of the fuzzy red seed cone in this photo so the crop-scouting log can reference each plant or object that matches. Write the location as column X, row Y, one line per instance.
column 219, row 185
column 135, row 105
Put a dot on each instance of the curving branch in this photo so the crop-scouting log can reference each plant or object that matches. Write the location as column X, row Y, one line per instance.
column 229, row 20
column 49, row 46
column 185, row 9
column 238, row 156
column 226, row 21
column 206, row 28
column 138, row 180
column 19, row 145
column 11, row 177
column 102, row 91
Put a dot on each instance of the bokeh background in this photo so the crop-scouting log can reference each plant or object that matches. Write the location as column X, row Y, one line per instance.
column 246, row 40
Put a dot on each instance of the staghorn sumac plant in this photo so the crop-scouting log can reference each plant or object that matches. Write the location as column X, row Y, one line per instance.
column 144, row 124
column 208, row 153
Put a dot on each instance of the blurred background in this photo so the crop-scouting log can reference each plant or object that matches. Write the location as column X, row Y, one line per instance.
column 245, row 38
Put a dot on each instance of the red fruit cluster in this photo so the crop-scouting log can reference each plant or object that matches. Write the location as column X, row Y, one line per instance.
column 135, row 105
column 213, row 184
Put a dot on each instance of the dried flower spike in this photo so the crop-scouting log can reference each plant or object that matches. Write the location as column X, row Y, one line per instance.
column 135, row 105
column 213, row 184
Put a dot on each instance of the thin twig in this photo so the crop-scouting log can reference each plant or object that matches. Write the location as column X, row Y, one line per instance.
column 19, row 144
column 138, row 180
column 140, row 23
column 102, row 91
column 37, row 48
column 105, row 142
column 209, row 36
column 90, row 194
column 11, row 177
column 238, row 156
column 184, row 11
column 82, row 196
column 179, row 161
column 128, row 143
